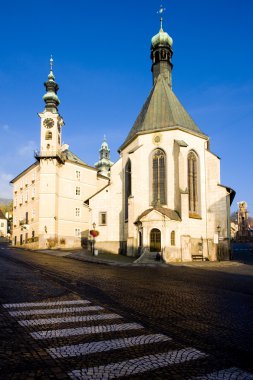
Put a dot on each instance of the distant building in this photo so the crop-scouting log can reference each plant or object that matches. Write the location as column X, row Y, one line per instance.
column 244, row 232
column 163, row 195
column 3, row 225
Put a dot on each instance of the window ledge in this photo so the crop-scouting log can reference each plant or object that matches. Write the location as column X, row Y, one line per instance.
column 193, row 215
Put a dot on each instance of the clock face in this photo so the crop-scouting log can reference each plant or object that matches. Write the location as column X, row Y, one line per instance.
column 48, row 123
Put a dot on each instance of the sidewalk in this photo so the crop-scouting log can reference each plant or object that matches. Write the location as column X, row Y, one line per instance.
column 84, row 255
column 120, row 260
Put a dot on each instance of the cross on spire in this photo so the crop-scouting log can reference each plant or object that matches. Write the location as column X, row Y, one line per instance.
column 161, row 12
column 51, row 63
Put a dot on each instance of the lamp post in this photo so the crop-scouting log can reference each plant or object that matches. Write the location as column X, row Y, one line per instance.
column 94, row 228
column 218, row 228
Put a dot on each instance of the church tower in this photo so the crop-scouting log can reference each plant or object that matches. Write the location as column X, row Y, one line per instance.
column 104, row 163
column 161, row 54
column 51, row 121
column 51, row 159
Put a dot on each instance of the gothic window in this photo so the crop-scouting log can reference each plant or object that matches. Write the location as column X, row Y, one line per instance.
column 158, row 177
column 193, row 182
column 49, row 135
column 128, row 186
column 172, row 238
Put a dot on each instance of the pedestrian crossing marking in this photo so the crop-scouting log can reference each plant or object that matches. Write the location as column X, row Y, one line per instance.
column 48, row 334
column 134, row 366
column 22, row 313
column 54, row 303
column 106, row 345
column 81, row 318
column 138, row 365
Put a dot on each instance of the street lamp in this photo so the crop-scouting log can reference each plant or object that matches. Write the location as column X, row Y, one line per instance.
column 218, row 228
column 93, row 245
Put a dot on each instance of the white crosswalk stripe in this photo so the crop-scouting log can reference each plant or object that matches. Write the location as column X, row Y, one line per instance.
column 48, row 334
column 45, row 304
column 81, row 318
column 50, row 311
column 106, row 345
column 138, row 365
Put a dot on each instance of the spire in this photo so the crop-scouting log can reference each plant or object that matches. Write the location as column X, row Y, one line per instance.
column 161, row 12
column 51, row 99
column 104, row 163
column 161, row 52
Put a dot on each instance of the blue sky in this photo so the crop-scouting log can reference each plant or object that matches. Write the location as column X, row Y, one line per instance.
column 102, row 65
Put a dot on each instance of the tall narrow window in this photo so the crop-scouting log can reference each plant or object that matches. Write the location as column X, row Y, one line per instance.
column 102, row 218
column 158, row 178
column 172, row 238
column 128, row 185
column 193, row 182
column 78, row 190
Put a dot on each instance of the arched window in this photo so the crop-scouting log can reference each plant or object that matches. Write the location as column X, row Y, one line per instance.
column 158, row 177
column 128, row 185
column 193, row 182
column 172, row 238
column 49, row 135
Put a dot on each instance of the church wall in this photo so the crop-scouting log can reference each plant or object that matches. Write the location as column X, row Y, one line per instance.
column 109, row 201
column 176, row 176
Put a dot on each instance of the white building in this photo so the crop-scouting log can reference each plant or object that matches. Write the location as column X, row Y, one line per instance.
column 162, row 195
column 3, row 225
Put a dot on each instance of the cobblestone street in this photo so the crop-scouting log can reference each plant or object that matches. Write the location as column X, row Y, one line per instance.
column 64, row 318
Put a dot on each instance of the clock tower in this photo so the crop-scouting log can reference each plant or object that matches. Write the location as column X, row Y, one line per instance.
column 51, row 121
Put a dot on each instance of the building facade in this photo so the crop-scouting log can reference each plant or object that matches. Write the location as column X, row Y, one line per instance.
column 3, row 225
column 48, row 207
column 163, row 195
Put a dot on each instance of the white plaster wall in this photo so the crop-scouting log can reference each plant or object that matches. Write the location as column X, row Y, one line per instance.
column 109, row 200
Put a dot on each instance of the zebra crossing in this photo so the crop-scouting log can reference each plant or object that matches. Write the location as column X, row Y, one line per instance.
column 76, row 328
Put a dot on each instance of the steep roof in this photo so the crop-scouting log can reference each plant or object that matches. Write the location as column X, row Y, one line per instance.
column 70, row 156
column 2, row 215
column 162, row 111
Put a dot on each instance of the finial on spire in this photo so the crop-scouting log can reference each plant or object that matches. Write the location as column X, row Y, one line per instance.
column 161, row 12
column 51, row 63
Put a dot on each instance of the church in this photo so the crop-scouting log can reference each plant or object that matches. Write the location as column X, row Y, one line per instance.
column 162, row 196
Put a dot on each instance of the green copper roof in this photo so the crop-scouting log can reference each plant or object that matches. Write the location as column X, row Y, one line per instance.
column 162, row 111
column 161, row 39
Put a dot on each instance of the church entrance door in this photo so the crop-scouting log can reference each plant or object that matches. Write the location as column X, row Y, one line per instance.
column 155, row 240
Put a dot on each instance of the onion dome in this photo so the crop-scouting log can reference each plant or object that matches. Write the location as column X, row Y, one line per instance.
column 50, row 98
column 161, row 39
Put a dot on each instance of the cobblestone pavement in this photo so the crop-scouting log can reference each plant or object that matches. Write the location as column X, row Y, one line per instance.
column 62, row 318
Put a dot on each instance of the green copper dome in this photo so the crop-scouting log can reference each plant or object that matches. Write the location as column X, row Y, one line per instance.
column 162, row 39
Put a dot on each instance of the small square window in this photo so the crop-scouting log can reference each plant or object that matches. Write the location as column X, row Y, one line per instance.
column 78, row 174
column 78, row 211
column 102, row 218
column 77, row 232
column 78, row 190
